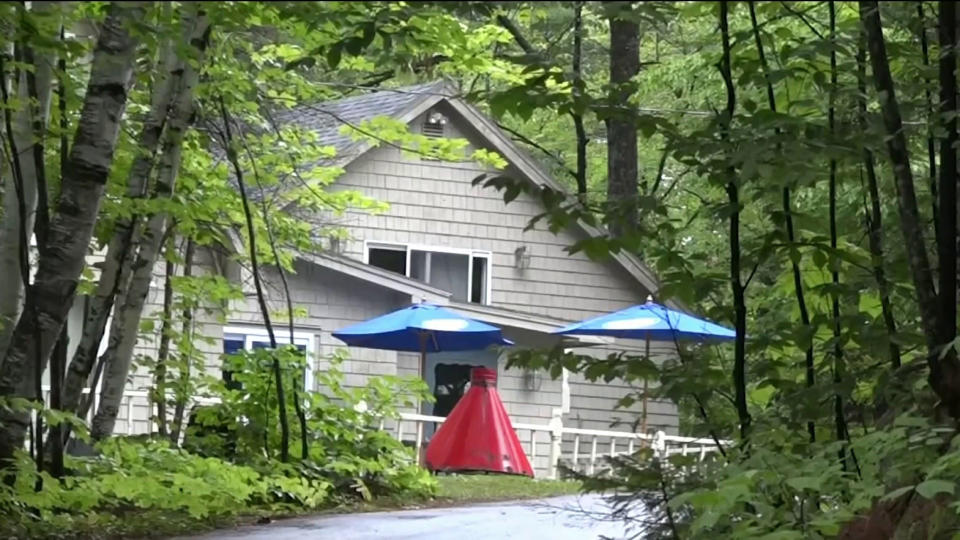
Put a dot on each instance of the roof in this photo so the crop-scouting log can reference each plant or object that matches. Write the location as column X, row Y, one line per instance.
column 327, row 119
column 378, row 276
column 421, row 292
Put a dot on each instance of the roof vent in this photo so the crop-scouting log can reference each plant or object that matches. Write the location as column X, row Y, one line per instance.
column 433, row 125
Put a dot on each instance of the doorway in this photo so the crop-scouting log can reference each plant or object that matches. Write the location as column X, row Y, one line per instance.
column 448, row 375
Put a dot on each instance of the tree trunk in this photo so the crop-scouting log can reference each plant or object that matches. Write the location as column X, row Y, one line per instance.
column 810, row 370
column 163, row 351
column 874, row 216
column 115, row 274
column 947, row 231
column 733, row 196
column 124, row 330
column 931, row 140
column 578, row 87
column 63, row 259
column 118, row 357
column 230, row 145
column 944, row 374
column 945, row 365
column 622, row 171
column 839, row 369
column 186, row 331
column 28, row 125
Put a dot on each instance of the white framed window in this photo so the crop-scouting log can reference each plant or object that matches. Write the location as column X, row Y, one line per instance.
column 463, row 272
column 248, row 338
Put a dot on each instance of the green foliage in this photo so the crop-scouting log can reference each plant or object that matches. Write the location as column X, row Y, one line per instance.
column 347, row 447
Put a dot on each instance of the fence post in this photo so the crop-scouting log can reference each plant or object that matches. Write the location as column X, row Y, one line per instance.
column 556, row 433
column 660, row 444
column 593, row 455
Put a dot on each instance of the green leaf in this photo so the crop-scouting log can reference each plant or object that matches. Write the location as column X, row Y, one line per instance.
column 931, row 488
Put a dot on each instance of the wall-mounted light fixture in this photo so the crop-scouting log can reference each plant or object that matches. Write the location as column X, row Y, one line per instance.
column 436, row 117
column 521, row 258
column 532, row 380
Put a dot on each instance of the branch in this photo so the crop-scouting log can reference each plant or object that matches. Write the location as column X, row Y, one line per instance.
column 526, row 140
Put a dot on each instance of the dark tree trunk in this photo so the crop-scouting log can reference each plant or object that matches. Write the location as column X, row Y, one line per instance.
column 63, row 259
column 622, row 169
column 874, row 216
column 839, row 369
column 230, row 145
column 733, row 196
column 944, row 374
column 810, row 370
column 576, row 113
column 947, row 231
column 931, row 141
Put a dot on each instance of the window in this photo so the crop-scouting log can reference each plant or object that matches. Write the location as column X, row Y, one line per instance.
column 235, row 339
column 464, row 273
column 389, row 258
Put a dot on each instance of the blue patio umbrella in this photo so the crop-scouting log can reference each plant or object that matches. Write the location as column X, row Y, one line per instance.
column 650, row 321
column 422, row 328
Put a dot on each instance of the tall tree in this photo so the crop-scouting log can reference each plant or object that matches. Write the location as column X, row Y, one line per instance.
column 171, row 114
column 71, row 228
column 25, row 129
column 622, row 164
column 578, row 91
column 733, row 200
column 232, row 155
column 810, row 369
column 947, row 230
column 874, row 214
column 944, row 375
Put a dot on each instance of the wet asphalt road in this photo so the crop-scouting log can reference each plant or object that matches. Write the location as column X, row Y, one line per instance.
column 560, row 518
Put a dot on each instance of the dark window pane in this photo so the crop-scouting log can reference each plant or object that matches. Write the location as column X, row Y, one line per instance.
column 389, row 259
column 478, row 286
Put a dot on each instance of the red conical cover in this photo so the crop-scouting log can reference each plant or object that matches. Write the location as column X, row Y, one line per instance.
column 477, row 435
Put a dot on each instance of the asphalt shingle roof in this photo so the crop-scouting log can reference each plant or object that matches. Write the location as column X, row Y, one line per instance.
column 328, row 118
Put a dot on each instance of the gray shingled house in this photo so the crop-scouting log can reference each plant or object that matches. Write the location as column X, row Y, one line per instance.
column 446, row 241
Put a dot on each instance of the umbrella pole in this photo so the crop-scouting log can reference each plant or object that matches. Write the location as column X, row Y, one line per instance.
column 423, row 366
column 643, row 425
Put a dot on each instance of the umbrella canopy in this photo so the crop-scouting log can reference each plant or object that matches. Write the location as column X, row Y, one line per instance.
column 650, row 321
column 422, row 328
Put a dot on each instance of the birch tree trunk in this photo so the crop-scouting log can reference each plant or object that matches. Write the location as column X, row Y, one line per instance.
column 12, row 293
column 118, row 357
column 63, row 259
column 115, row 275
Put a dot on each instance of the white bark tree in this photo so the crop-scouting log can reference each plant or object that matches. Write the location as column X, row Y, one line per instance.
column 124, row 329
column 115, row 275
column 25, row 140
column 71, row 228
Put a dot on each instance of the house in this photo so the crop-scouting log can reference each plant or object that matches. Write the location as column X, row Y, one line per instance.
column 444, row 240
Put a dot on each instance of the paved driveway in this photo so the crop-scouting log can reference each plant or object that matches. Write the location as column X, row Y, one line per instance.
column 561, row 518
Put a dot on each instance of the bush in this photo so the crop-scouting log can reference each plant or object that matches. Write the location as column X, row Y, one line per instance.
column 229, row 465
column 347, row 448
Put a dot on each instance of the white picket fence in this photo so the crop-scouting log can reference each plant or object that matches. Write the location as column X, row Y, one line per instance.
column 601, row 443
column 546, row 445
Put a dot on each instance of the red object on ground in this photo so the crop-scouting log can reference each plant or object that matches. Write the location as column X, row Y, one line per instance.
column 477, row 435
